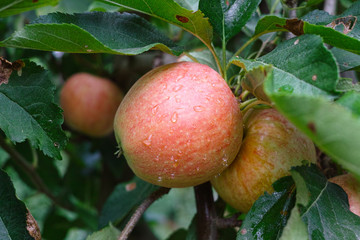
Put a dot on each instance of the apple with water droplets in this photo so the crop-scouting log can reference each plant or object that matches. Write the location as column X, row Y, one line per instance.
column 352, row 188
column 179, row 125
column 90, row 103
column 271, row 146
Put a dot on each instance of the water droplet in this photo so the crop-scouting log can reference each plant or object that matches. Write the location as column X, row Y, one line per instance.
column 172, row 158
column 296, row 42
column 157, row 158
column 159, row 179
column 147, row 141
column 154, row 109
column 50, row 121
column 131, row 186
column 213, row 84
column 198, row 169
column 172, row 175
column 199, row 108
column 86, row 46
column 174, row 117
column 89, row 50
column 177, row 88
column 225, row 161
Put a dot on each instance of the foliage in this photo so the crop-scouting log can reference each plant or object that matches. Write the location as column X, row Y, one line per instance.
column 78, row 187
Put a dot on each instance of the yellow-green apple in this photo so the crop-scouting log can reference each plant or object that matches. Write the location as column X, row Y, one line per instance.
column 352, row 188
column 271, row 146
column 90, row 103
column 179, row 125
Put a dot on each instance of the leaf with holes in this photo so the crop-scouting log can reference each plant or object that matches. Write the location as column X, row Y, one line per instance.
column 172, row 12
column 28, row 110
column 94, row 32
column 228, row 17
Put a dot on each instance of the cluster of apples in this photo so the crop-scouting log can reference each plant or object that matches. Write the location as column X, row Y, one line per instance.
column 180, row 125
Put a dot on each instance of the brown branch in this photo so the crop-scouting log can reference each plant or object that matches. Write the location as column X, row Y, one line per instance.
column 31, row 172
column 140, row 211
column 205, row 224
column 230, row 222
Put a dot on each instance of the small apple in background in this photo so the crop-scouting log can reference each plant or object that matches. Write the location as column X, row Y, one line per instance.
column 352, row 188
column 90, row 103
column 179, row 125
column 271, row 146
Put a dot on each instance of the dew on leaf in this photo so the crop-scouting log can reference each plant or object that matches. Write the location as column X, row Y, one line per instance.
column 286, row 89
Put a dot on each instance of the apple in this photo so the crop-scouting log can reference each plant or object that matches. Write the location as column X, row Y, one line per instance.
column 89, row 103
column 352, row 188
column 271, row 146
column 179, row 125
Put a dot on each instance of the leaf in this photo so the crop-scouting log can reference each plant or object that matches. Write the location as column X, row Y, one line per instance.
column 341, row 31
column 189, row 4
column 28, row 110
column 300, row 66
column 12, row 7
column 13, row 213
column 228, row 17
column 346, row 60
column 351, row 101
column 268, row 216
column 108, row 233
column 315, row 115
column 323, row 206
column 123, row 200
column 94, row 32
column 172, row 12
column 204, row 56
column 179, row 234
column 347, row 84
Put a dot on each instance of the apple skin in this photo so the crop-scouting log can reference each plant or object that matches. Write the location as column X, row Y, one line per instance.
column 352, row 188
column 179, row 125
column 90, row 103
column 271, row 146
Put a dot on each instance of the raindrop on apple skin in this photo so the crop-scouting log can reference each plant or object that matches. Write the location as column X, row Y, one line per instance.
column 174, row 117
column 198, row 108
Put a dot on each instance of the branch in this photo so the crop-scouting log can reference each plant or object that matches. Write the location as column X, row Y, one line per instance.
column 230, row 222
column 205, row 224
column 31, row 172
column 140, row 211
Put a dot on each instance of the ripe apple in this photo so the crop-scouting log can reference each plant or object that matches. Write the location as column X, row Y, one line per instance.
column 271, row 146
column 90, row 103
column 179, row 125
column 352, row 188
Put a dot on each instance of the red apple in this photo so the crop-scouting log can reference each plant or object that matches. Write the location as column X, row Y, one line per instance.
column 352, row 188
column 179, row 125
column 90, row 103
column 271, row 146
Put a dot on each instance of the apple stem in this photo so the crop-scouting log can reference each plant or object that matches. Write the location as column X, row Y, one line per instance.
column 229, row 222
column 140, row 211
column 205, row 224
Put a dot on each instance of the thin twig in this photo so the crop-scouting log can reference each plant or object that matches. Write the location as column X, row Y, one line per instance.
column 31, row 172
column 140, row 211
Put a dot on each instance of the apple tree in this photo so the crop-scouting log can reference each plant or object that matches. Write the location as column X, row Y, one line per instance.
column 179, row 119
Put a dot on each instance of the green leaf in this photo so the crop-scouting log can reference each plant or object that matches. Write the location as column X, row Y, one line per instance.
column 323, row 206
column 310, row 3
column 172, row 12
column 13, row 212
column 333, row 33
column 228, row 17
column 351, row 101
column 204, row 56
column 300, row 66
column 315, row 115
column 268, row 216
column 94, row 32
column 28, row 110
column 124, row 199
column 12, row 7
column 179, row 234
column 108, row 233
column 189, row 4
column 346, row 60
column 347, row 84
